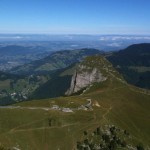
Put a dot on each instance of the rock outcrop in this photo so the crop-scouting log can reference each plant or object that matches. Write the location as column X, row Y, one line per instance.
column 83, row 77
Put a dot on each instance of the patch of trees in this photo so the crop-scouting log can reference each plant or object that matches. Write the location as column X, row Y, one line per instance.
column 106, row 138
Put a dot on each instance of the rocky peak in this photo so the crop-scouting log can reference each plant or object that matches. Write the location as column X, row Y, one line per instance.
column 92, row 69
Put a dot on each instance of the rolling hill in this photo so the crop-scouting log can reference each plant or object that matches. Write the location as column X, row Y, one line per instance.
column 64, row 122
column 55, row 61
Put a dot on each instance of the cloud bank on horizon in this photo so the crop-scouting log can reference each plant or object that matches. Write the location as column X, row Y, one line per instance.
column 71, row 37
column 70, row 41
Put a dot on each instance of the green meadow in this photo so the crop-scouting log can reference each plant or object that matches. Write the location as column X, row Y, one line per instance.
column 113, row 103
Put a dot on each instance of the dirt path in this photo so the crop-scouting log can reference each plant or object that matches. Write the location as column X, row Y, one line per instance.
column 41, row 128
column 30, row 123
column 30, row 108
column 107, row 112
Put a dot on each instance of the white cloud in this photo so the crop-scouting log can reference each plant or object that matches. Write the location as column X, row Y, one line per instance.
column 11, row 37
column 114, row 44
column 123, row 37
column 69, row 37
column 104, row 38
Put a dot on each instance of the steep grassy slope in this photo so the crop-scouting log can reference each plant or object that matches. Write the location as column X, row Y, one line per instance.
column 57, row 60
column 134, row 63
column 57, row 85
column 34, row 126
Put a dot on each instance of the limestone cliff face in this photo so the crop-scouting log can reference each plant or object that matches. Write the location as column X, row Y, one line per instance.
column 83, row 77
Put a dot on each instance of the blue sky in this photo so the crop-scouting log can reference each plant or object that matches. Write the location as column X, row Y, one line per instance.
column 75, row 16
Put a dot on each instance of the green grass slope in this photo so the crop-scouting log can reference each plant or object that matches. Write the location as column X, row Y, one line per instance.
column 57, row 85
column 31, row 126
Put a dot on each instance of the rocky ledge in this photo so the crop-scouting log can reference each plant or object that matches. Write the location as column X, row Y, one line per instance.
column 83, row 77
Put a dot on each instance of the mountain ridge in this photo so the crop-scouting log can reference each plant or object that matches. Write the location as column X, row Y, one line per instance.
column 56, row 60
column 134, row 64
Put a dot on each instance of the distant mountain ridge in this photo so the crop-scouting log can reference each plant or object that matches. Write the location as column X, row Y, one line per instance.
column 134, row 64
column 56, row 60
column 134, row 55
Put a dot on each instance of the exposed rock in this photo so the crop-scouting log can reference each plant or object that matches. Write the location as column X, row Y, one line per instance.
column 83, row 77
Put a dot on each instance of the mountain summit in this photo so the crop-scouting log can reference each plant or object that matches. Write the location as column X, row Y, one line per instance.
column 92, row 70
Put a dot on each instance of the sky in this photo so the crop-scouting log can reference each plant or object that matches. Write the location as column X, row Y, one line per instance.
column 75, row 16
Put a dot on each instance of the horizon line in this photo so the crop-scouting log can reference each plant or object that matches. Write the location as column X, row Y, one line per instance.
column 148, row 34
